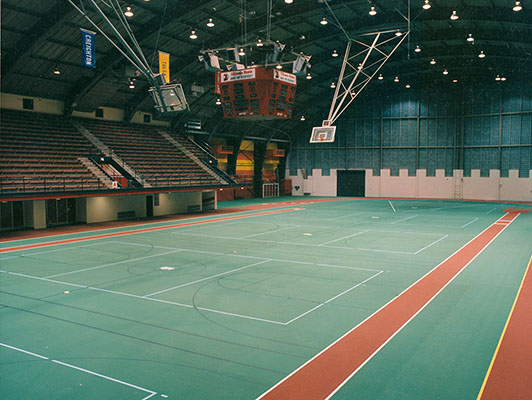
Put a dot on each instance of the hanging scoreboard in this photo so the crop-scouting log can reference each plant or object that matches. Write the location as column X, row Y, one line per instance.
column 256, row 93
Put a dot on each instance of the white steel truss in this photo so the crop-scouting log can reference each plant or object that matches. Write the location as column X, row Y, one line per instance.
column 362, row 61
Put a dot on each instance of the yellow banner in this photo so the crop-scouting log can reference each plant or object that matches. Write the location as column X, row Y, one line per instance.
column 164, row 65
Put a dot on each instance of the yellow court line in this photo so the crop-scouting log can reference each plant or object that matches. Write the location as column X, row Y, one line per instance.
column 503, row 332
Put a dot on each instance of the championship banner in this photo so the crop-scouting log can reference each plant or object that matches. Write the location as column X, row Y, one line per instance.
column 88, row 56
column 164, row 65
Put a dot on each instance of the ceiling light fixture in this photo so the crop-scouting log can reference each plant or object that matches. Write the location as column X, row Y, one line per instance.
column 241, row 52
column 380, row 77
column 210, row 23
column 324, row 21
column 259, row 43
column 128, row 13
column 470, row 38
column 417, row 49
column 498, row 78
column 396, row 79
column 454, row 16
column 481, row 54
column 279, row 66
column 56, row 71
column 455, row 80
column 308, row 76
column 518, row 6
column 131, row 85
column 427, row 5
column 333, row 85
column 302, row 118
column 372, row 11
column 398, row 33
column 445, row 72
column 503, row 78
column 193, row 35
column 218, row 102
column 288, row 1
column 334, row 53
column 408, row 86
column 433, row 61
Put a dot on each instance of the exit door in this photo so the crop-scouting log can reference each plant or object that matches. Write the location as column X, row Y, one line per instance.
column 351, row 183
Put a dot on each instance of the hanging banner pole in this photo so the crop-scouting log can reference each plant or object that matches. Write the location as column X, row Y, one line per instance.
column 88, row 55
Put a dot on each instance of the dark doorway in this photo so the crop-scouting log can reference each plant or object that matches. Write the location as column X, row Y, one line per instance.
column 149, row 206
column 351, row 183
column 61, row 212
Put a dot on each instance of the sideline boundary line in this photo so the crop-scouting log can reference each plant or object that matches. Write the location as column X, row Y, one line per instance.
column 347, row 355
column 151, row 392
column 496, row 353
column 142, row 230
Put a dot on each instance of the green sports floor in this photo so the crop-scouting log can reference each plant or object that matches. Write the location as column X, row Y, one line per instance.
column 226, row 308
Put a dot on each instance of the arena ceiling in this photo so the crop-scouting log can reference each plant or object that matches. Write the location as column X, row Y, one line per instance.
column 39, row 37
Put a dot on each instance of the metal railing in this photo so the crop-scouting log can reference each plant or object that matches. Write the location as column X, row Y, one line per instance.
column 66, row 183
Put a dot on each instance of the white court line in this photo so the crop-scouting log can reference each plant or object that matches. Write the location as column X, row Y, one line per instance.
column 151, row 392
column 470, row 222
column 333, row 298
column 265, row 233
column 393, row 208
column 241, row 316
column 207, row 278
column 386, row 251
column 405, row 219
column 426, row 247
column 490, row 211
column 150, row 299
column 343, row 216
column 264, row 258
column 342, row 238
column 111, row 264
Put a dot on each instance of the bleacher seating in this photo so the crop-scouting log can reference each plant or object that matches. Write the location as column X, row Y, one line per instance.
column 152, row 156
column 39, row 152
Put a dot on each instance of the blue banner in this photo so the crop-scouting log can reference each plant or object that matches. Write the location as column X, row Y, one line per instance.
column 88, row 56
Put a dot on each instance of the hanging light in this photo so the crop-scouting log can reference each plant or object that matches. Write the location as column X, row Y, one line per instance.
column 324, row 21
column 259, row 43
column 454, row 16
column 241, row 52
column 503, row 78
column 470, row 38
column 518, row 6
column 279, row 66
column 56, row 71
column 128, row 13
column 193, row 35
column 408, row 86
column 433, row 61
column 396, row 79
column 498, row 78
column 131, row 84
column 334, row 53
column 218, row 102
column 302, row 118
column 417, row 49
column 427, row 5
column 445, row 72
column 455, row 80
column 380, row 77
column 333, row 85
column 481, row 54
column 210, row 23
column 398, row 33
column 308, row 76
column 288, row 1
column 372, row 11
